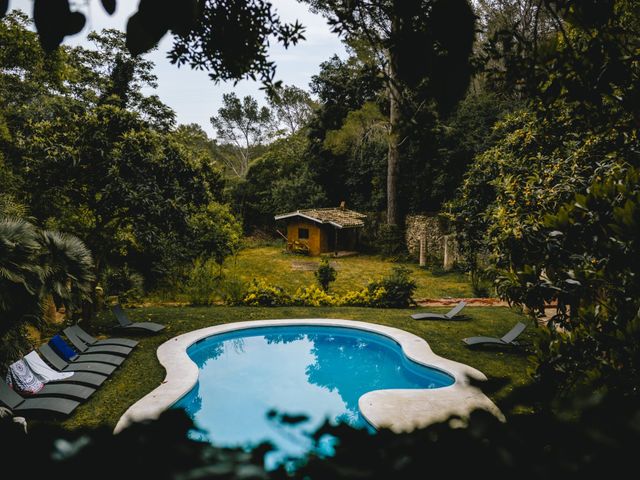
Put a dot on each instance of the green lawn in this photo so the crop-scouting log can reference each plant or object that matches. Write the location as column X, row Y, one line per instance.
column 141, row 372
column 272, row 264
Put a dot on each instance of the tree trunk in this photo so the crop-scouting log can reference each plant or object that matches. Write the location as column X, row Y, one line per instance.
column 393, row 155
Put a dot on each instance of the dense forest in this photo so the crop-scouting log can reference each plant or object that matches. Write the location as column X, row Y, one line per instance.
column 516, row 121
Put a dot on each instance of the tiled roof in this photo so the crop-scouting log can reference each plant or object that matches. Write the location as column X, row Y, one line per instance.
column 338, row 217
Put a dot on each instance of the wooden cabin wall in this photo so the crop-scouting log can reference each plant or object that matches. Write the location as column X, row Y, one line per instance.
column 315, row 235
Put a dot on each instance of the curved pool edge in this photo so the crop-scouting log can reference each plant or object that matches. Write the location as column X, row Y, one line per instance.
column 398, row 410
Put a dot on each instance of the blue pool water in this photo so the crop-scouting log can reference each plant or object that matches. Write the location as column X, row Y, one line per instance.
column 320, row 372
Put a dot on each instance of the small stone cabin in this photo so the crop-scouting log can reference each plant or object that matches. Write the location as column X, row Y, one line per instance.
column 324, row 230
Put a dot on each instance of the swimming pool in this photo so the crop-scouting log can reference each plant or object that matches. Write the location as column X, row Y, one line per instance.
column 397, row 409
column 317, row 371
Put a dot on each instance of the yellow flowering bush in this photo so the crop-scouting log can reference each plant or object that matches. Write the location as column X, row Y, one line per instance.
column 369, row 296
column 392, row 291
column 313, row 296
column 262, row 294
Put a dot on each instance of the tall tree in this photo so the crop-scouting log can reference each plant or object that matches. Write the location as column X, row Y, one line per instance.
column 244, row 126
column 344, row 86
column 292, row 107
column 414, row 46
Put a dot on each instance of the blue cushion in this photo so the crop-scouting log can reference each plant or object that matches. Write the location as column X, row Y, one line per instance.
column 62, row 348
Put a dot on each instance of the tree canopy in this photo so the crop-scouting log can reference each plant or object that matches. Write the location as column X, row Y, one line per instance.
column 228, row 38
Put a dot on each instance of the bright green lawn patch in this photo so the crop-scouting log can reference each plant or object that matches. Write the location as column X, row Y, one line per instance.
column 272, row 264
column 141, row 372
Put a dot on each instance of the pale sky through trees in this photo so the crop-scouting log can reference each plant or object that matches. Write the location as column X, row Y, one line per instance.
column 190, row 93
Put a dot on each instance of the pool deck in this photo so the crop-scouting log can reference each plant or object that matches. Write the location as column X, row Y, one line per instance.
column 398, row 410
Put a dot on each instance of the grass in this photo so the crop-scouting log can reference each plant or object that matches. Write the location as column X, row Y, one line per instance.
column 141, row 372
column 275, row 266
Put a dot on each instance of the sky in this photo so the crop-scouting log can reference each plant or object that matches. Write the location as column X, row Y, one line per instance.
column 193, row 96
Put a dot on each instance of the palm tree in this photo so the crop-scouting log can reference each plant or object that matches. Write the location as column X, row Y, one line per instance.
column 21, row 275
column 35, row 266
column 21, row 285
column 68, row 269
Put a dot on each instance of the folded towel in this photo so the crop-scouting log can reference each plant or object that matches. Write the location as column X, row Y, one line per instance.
column 43, row 371
column 22, row 379
column 62, row 348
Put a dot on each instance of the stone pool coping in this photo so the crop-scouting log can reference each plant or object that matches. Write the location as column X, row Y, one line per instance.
column 399, row 410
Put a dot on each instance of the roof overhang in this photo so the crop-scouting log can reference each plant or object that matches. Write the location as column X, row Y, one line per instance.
column 284, row 216
column 297, row 214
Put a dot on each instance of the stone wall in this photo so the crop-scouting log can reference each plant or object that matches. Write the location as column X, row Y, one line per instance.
column 429, row 226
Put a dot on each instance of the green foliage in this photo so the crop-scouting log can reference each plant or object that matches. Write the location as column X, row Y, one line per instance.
column 21, row 273
column 69, row 269
column 390, row 241
column 344, row 86
column 292, row 106
column 215, row 232
column 243, row 126
column 195, row 144
column 325, row 274
column 203, row 281
column 390, row 33
column 366, row 124
column 392, row 291
column 555, row 200
column 125, row 283
column 233, row 289
column 91, row 154
column 370, row 296
column 398, row 289
column 349, row 140
column 591, row 269
column 228, row 39
column 451, row 142
column 262, row 294
column 36, row 266
column 278, row 181
column 276, row 266
column 510, row 186
column 313, row 296
column 596, row 443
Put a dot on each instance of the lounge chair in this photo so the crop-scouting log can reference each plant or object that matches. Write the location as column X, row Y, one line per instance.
column 62, row 365
column 83, row 348
column 74, row 392
column 63, row 349
column 88, row 339
column 39, row 404
column 48, row 375
column 125, row 323
column 450, row 315
column 508, row 339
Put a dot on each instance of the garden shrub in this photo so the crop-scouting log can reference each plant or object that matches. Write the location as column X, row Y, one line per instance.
column 393, row 291
column 325, row 274
column 203, row 281
column 233, row 290
column 262, row 294
column 369, row 296
column 398, row 289
column 125, row 283
column 590, row 267
column 314, row 296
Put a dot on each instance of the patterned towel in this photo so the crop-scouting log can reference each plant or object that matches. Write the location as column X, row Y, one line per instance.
column 22, row 379
column 43, row 371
